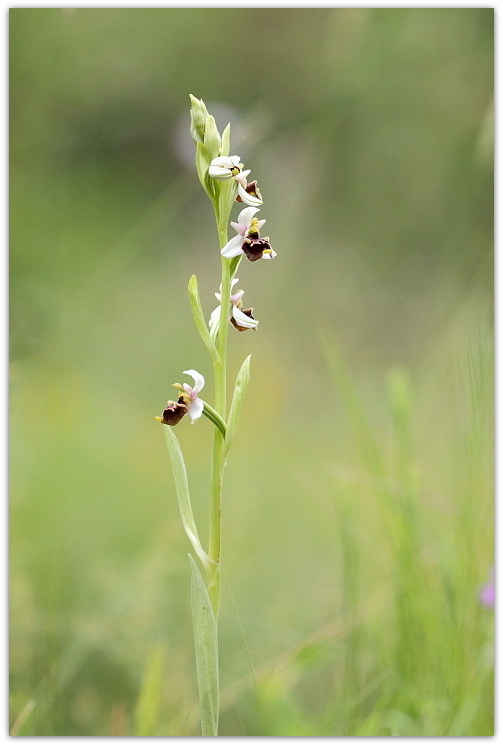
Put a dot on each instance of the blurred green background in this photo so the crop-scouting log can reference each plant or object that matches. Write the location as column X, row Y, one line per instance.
column 358, row 507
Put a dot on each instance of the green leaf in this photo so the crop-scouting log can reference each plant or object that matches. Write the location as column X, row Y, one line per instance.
column 227, row 196
column 202, row 164
column 226, row 141
column 235, row 264
column 206, row 650
column 198, row 316
column 182, row 492
column 242, row 381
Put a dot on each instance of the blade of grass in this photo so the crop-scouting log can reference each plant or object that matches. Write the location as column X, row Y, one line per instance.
column 21, row 718
column 149, row 700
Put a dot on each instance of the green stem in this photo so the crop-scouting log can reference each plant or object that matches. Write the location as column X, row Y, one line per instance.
column 220, row 371
column 214, row 417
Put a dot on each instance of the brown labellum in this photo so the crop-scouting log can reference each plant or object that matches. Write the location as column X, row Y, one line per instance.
column 254, row 246
column 174, row 412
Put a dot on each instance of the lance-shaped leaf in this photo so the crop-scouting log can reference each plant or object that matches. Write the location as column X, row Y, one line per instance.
column 226, row 141
column 202, row 163
column 198, row 316
column 206, row 651
column 182, row 493
column 226, row 195
column 242, row 380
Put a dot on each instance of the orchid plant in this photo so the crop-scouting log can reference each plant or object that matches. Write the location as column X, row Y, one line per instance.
column 224, row 179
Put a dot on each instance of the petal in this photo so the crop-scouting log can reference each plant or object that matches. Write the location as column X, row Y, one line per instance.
column 214, row 331
column 215, row 316
column 248, row 199
column 198, row 381
column 234, row 159
column 237, row 297
column 243, row 320
column 218, row 172
column 260, row 224
column 233, row 282
column 245, row 216
column 224, row 161
column 196, row 409
column 241, row 177
column 233, row 248
column 241, row 229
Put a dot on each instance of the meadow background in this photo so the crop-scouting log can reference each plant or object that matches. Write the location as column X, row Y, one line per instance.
column 358, row 506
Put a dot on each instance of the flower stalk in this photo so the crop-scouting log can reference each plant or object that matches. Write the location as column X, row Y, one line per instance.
column 224, row 180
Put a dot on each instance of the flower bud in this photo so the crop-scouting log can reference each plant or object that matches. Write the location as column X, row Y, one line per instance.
column 212, row 141
column 198, row 117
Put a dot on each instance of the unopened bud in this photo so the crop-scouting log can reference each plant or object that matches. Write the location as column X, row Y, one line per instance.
column 212, row 141
column 198, row 117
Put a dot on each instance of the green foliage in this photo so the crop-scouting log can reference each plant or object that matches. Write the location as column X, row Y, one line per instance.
column 182, row 491
column 206, row 652
column 238, row 396
column 199, row 320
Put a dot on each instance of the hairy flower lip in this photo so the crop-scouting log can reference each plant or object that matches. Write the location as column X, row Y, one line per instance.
column 173, row 412
column 257, row 248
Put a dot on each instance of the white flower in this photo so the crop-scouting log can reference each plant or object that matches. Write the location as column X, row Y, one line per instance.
column 226, row 167
column 229, row 167
column 248, row 241
column 242, row 320
column 189, row 394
